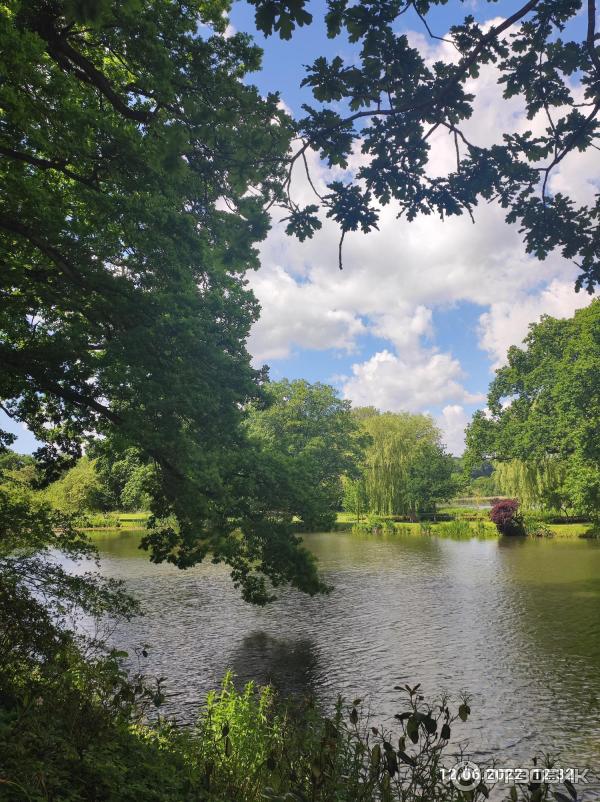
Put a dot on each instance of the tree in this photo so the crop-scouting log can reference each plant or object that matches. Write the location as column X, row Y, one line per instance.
column 136, row 169
column 355, row 497
column 484, row 486
column 128, row 479
column 544, row 416
column 388, row 103
column 430, row 478
column 79, row 490
column 406, row 469
column 308, row 441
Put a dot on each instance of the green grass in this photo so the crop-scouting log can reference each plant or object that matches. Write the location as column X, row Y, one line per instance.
column 569, row 530
column 136, row 517
column 115, row 520
column 464, row 529
column 477, row 521
column 465, row 513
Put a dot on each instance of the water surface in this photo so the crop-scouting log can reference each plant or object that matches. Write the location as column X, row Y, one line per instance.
column 515, row 622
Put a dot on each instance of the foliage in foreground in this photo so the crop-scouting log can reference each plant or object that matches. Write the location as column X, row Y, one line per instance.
column 75, row 731
column 125, row 314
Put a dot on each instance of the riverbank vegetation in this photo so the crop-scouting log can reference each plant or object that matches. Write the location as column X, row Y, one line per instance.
column 541, row 428
column 405, row 470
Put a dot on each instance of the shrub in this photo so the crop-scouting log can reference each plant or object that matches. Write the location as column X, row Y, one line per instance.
column 505, row 514
column 535, row 527
column 375, row 525
column 250, row 747
column 98, row 520
column 593, row 533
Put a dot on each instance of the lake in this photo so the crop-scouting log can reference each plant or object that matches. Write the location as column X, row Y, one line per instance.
column 515, row 622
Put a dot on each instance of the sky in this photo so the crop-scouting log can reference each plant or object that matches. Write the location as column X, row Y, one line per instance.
column 423, row 312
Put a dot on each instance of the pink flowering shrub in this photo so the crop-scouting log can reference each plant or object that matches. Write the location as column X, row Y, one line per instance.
column 505, row 514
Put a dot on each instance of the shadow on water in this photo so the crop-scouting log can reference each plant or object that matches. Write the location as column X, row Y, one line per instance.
column 291, row 665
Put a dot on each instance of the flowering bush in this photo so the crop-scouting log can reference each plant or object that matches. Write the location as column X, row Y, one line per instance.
column 505, row 514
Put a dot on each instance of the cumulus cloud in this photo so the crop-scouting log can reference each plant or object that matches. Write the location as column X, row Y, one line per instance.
column 298, row 313
column 414, row 382
column 452, row 422
column 507, row 323
column 396, row 278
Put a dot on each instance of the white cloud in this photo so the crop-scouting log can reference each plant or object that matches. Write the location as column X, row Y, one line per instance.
column 507, row 323
column 452, row 422
column 394, row 279
column 410, row 382
column 298, row 314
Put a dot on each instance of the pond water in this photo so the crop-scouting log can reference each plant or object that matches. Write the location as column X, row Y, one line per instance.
column 514, row 622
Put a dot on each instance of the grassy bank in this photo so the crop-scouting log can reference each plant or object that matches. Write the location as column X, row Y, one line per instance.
column 98, row 521
column 474, row 524
column 461, row 523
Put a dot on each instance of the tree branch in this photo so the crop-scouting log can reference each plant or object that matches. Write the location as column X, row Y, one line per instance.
column 463, row 67
column 67, row 57
column 14, row 227
column 591, row 34
column 46, row 164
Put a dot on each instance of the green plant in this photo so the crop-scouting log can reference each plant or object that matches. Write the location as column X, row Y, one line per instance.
column 458, row 530
column 250, row 747
column 593, row 533
column 535, row 527
column 403, row 529
column 374, row 525
column 99, row 520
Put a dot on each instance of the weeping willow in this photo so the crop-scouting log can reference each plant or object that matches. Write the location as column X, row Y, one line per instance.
column 537, row 484
column 396, row 438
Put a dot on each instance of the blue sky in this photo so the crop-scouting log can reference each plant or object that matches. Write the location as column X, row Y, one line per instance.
column 423, row 312
column 420, row 317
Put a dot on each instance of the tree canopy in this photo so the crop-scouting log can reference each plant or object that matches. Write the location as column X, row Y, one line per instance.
column 308, row 441
column 387, row 102
column 406, row 469
column 544, row 415
column 130, row 151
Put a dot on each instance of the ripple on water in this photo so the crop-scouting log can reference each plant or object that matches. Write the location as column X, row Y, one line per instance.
column 517, row 624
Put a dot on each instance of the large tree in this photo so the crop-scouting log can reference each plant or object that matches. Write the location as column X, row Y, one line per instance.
column 406, row 469
column 138, row 168
column 135, row 166
column 544, row 416
column 308, row 440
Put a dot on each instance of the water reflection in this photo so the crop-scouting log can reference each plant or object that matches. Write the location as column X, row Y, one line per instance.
column 291, row 665
column 516, row 622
